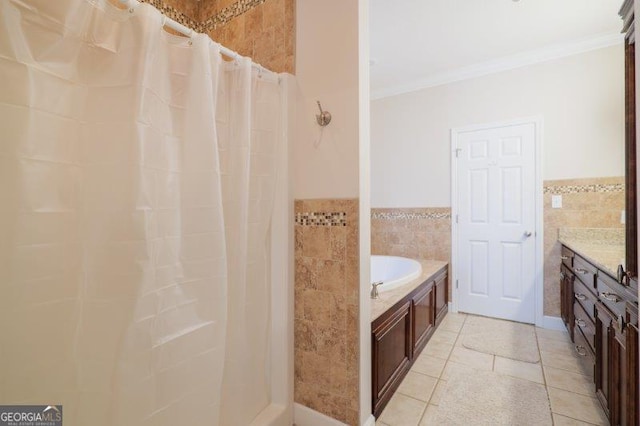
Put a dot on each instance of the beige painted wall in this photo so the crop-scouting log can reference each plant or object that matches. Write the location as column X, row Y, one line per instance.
column 325, row 162
column 580, row 97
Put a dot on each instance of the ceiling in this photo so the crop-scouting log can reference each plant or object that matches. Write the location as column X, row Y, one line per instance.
column 422, row 43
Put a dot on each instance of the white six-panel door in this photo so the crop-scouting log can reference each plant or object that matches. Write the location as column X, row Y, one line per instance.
column 496, row 222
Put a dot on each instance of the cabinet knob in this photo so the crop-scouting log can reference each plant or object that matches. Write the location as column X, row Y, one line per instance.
column 527, row 234
column 581, row 323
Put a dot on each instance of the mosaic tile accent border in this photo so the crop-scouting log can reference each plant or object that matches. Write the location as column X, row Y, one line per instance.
column 321, row 219
column 577, row 189
column 175, row 14
column 221, row 18
column 225, row 16
column 404, row 215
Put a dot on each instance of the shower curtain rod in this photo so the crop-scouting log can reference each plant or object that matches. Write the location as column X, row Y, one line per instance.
column 188, row 32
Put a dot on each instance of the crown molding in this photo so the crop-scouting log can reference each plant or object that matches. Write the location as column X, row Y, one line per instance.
column 506, row 63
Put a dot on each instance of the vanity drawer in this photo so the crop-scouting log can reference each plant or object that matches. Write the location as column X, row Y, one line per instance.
column 584, row 271
column 586, row 297
column 586, row 325
column 567, row 257
column 585, row 354
column 610, row 293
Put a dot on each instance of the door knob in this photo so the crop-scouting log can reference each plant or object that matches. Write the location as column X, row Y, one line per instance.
column 528, row 234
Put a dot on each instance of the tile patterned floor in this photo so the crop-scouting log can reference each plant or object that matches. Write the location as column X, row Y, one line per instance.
column 571, row 394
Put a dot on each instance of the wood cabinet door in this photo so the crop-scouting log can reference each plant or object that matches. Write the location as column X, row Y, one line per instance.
column 605, row 346
column 423, row 317
column 630, row 401
column 441, row 297
column 391, row 354
column 567, row 299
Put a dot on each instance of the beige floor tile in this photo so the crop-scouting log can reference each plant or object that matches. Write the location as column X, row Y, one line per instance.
column 438, row 392
column 566, row 380
column 379, row 423
column 417, row 386
column 429, row 365
column 453, row 325
column 562, row 361
column 451, row 368
column 402, row 411
column 519, row 369
column 551, row 345
column 430, row 415
column 576, row 406
column 553, row 334
column 472, row 358
column 444, row 336
column 438, row 349
column 559, row 420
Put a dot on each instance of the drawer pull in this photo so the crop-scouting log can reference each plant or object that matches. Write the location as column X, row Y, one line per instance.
column 581, row 350
column 621, row 322
column 562, row 275
column 581, row 271
column 581, row 323
column 611, row 297
column 564, row 257
column 581, row 297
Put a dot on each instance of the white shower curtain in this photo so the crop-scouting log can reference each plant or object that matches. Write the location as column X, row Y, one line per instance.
column 137, row 178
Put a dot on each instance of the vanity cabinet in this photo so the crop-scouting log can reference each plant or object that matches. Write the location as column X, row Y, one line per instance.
column 566, row 297
column 399, row 335
column 602, row 316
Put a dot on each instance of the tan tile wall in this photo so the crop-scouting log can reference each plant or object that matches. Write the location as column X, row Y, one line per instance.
column 586, row 203
column 417, row 233
column 326, row 311
column 263, row 30
column 265, row 33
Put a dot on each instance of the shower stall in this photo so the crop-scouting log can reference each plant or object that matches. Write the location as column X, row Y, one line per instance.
column 145, row 225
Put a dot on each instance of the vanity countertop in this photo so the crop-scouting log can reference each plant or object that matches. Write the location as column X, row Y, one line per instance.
column 603, row 247
column 387, row 299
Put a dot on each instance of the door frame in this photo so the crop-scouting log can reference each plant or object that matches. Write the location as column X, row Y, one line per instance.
column 537, row 121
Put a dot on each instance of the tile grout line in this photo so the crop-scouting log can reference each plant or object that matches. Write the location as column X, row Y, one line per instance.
column 445, row 365
column 547, row 386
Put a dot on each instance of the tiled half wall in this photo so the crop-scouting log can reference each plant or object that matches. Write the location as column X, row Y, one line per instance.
column 417, row 233
column 426, row 232
column 327, row 281
column 263, row 30
column 586, row 203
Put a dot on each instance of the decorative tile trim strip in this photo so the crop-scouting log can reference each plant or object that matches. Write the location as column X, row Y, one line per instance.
column 175, row 14
column 221, row 18
column 577, row 189
column 404, row 215
column 321, row 219
column 227, row 14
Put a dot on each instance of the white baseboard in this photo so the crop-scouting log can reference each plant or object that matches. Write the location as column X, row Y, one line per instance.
column 305, row 416
column 371, row 421
column 451, row 308
column 553, row 323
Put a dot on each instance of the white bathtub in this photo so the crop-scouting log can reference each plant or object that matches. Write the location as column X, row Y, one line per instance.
column 393, row 271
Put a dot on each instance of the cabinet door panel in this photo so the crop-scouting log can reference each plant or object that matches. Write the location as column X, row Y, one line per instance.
column 605, row 356
column 423, row 317
column 391, row 354
column 441, row 297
